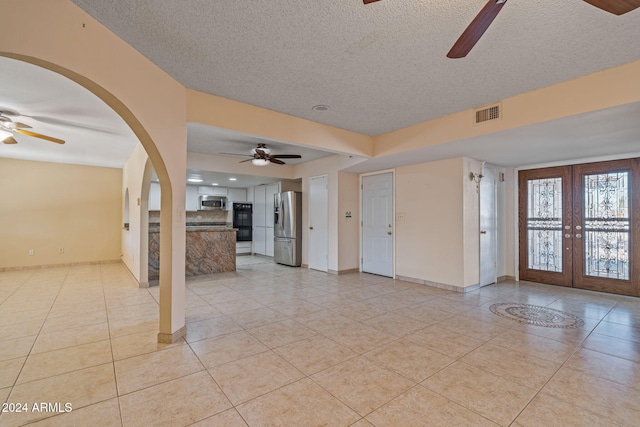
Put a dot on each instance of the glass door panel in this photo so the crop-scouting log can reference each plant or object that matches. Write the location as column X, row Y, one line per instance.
column 606, row 225
column 604, row 221
column 544, row 224
column 545, row 215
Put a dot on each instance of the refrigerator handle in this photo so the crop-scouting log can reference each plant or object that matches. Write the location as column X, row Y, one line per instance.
column 282, row 212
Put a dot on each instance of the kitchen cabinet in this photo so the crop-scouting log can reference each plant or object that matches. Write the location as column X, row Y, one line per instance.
column 207, row 190
column 191, row 196
column 270, row 192
column 154, row 196
column 243, row 248
column 259, row 240
column 259, row 206
column 236, row 195
column 268, row 247
column 263, row 206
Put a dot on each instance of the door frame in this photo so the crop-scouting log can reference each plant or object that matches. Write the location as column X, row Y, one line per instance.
column 308, row 234
column 393, row 203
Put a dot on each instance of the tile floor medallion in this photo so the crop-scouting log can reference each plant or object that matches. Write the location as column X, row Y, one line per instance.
column 536, row 315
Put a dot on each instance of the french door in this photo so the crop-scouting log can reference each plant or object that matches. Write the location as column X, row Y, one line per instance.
column 580, row 226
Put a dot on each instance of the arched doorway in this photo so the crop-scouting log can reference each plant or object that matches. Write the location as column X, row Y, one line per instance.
column 172, row 322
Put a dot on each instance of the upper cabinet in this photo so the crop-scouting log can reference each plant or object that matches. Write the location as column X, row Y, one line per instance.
column 154, row 196
column 191, row 196
column 237, row 195
column 212, row 190
column 193, row 192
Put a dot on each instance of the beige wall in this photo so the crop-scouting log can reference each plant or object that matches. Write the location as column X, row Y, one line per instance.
column 348, row 228
column 225, row 113
column 338, row 243
column 48, row 206
column 135, row 174
column 430, row 238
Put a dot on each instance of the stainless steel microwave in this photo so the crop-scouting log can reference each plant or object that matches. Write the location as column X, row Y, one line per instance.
column 210, row 203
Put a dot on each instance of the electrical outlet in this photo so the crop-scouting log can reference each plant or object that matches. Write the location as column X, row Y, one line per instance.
column 32, row 252
column 61, row 251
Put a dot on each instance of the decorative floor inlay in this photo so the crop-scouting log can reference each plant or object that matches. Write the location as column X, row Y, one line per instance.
column 536, row 315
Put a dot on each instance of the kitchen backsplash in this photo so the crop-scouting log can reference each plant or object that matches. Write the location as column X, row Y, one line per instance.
column 198, row 216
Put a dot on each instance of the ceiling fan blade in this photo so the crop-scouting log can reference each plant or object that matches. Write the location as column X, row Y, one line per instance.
column 236, row 154
column 476, row 29
column 242, row 161
column 286, row 156
column 370, row 1
column 38, row 135
column 617, row 7
column 18, row 125
column 9, row 140
column 278, row 162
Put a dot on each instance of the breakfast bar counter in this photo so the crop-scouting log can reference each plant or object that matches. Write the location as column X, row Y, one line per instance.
column 209, row 249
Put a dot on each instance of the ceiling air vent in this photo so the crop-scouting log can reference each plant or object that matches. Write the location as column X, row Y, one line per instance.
column 489, row 113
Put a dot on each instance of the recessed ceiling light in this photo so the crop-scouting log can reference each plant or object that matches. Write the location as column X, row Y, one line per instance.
column 233, row 179
column 194, row 180
column 320, row 107
column 214, row 183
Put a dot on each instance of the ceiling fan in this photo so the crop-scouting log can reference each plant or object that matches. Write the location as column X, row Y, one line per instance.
column 261, row 156
column 488, row 13
column 8, row 125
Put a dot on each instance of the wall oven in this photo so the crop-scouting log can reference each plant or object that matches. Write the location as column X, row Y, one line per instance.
column 243, row 221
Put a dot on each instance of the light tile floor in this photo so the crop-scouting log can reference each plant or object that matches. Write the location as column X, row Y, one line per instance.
column 274, row 345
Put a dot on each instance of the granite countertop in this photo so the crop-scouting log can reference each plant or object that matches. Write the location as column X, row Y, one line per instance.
column 210, row 228
column 217, row 228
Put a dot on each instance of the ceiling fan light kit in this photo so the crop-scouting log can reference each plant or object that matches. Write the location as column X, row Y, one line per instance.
column 472, row 34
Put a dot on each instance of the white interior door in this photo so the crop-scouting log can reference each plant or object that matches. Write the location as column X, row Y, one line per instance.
column 488, row 228
column 318, row 246
column 377, row 224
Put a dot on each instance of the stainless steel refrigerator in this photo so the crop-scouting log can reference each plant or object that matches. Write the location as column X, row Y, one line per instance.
column 287, row 228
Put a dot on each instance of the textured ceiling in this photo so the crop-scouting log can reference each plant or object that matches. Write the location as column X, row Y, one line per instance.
column 379, row 67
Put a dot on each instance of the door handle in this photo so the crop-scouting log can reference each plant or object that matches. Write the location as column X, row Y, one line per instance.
column 310, row 228
column 389, row 233
column 483, row 232
column 578, row 236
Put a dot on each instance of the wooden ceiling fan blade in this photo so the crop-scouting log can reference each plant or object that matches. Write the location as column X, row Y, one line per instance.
column 9, row 140
column 248, row 160
column 278, row 162
column 38, row 135
column 617, row 7
column 286, row 156
column 370, row 1
column 476, row 29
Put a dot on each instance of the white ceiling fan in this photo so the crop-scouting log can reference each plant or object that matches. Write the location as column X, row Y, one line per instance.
column 12, row 127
